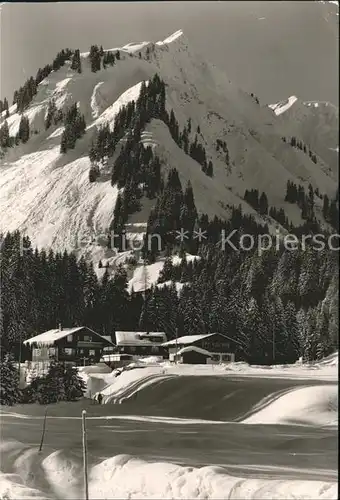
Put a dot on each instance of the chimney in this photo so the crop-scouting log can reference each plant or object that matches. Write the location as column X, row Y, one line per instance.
column 60, row 327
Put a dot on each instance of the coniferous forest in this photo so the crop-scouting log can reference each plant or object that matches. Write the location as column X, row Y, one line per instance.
column 278, row 297
column 289, row 296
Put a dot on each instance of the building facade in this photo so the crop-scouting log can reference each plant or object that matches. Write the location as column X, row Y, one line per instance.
column 221, row 349
column 79, row 345
column 138, row 344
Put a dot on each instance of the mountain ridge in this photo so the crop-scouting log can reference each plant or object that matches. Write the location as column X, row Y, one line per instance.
column 58, row 207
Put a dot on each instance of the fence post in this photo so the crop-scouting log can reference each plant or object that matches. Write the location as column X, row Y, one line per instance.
column 86, row 484
column 43, row 432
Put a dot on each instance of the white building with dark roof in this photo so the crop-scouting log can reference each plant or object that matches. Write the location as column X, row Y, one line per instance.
column 202, row 349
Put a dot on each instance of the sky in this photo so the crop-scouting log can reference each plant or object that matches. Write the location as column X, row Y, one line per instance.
column 274, row 49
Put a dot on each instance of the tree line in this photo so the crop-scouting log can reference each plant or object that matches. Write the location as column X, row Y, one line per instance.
column 287, row 295
column 298, row 144
column 23, row 134
column 101, row 59
column 306, row 202
column 61, row 383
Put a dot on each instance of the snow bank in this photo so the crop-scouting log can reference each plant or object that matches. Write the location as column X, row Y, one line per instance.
column 63, row 474
column 96, row 378
column 127, row 477
column 13, row 487
column 131, row 381
column 331, row 360
column 316, row 405
column 124, row 476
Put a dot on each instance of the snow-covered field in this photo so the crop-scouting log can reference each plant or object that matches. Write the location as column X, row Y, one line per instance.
column 311, row 406
column 305, row 405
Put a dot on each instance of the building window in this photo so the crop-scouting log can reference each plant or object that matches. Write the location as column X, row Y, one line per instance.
column 81, row 351
column 154, row 349
column 87, row 338
column 133, row 348
column 226, row 357
column 37, row 352
column 69, row 338
column 68, row 351
column 92, row 352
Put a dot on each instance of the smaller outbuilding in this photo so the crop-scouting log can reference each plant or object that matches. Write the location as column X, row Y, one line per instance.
column 193, row 355
column 211, row 348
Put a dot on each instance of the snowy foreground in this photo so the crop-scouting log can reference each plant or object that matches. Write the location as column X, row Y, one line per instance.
column 129, row 477
column 124, row 476
column 305, row 405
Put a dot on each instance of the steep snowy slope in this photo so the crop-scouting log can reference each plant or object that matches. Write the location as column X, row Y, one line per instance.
column 48, row 195
column 316, row 123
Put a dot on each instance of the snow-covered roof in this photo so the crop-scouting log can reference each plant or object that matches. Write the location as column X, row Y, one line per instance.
column 49, row 337
column 188, row 339
column 191, row 339
column 139, row 338
column 107, row 337
column 196, row 349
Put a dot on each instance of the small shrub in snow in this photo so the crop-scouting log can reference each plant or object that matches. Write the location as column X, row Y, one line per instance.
column 61, row 383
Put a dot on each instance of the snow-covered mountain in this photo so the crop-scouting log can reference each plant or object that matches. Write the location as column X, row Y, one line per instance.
column 48, row 195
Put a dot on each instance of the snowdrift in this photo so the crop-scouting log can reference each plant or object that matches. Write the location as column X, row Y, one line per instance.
column 317, row 405
column 150, row 370
column 127, row 477
column 331, row 360
column 277, row 395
